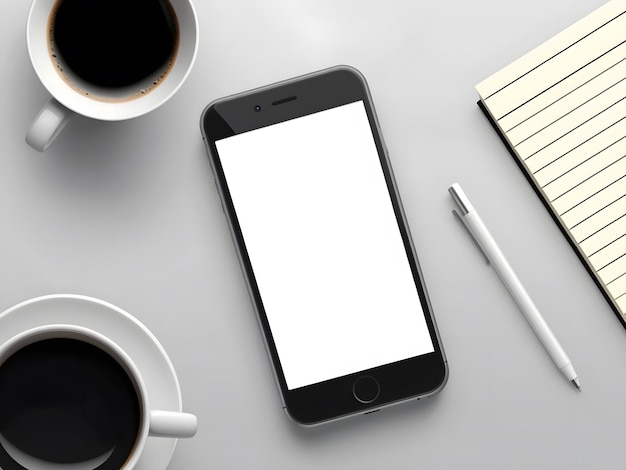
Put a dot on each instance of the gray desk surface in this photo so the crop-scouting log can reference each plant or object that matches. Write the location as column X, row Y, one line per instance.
column 127, row 212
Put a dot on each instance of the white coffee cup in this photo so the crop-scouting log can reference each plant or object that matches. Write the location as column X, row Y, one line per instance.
column 73, row 95
column 159, row 423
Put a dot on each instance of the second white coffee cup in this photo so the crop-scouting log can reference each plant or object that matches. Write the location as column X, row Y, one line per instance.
column 31, row 363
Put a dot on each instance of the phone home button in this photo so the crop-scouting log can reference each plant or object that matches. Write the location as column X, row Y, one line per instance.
column 366, row 389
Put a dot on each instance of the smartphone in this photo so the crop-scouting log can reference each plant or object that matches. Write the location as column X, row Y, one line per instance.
column 306, row 185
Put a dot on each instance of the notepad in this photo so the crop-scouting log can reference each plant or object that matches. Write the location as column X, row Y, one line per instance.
column 561, row 111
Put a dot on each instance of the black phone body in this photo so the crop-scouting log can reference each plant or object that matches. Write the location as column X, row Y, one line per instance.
column 309, row 195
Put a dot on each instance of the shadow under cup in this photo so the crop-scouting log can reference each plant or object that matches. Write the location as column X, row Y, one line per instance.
column 66, row 403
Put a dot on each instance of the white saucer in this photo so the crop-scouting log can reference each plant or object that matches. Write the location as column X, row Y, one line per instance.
column 132, row 336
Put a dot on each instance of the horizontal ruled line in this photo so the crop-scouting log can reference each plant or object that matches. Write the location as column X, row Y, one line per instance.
column 561, row 80
column 607, row 245
column 588, row 178
column 592, row 195
column 577, row 127
column 577, row 146
column 613, row 280
column 611, row 262
column 574, row 109
column 565, row 96
column 579, row 164
column 555, row 55
column 600, row 229
column 601, row 209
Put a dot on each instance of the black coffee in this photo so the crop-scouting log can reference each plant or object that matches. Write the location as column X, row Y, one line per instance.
column 65, row 401
column 114, row 43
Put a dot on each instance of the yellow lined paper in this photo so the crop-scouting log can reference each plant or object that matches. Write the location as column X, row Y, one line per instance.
column 562, row 110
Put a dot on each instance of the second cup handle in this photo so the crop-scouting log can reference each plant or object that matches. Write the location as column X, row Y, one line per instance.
column 172, row 424
column 48, row 125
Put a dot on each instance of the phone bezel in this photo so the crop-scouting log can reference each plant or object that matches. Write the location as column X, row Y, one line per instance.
column 403, row 380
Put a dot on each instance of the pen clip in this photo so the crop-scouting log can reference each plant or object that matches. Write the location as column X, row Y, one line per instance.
column 459, row 219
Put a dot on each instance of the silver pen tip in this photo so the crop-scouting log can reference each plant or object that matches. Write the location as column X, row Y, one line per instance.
column 576, row 384
column 460, row 199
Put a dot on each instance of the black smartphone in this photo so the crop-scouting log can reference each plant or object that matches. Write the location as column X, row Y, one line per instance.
column 307, row 189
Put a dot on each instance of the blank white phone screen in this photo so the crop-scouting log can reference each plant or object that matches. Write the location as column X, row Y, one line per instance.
column 324, row 244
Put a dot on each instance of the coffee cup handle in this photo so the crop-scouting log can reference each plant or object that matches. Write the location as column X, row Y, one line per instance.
column 48, row 125
column 172, row 424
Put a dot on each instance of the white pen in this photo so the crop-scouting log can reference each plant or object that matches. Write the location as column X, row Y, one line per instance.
column 478, row 233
